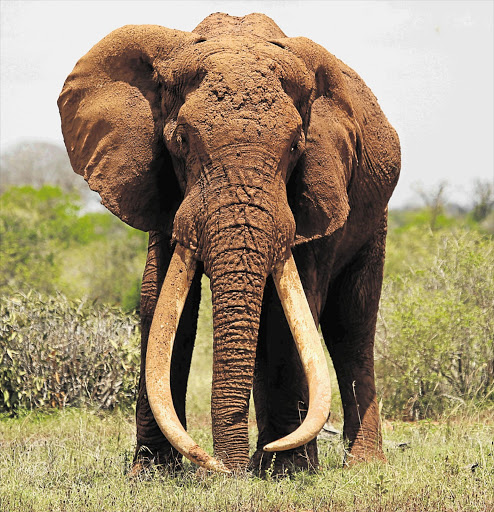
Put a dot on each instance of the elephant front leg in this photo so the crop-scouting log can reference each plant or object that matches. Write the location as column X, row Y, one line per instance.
column 152, row 446
column 348, row 324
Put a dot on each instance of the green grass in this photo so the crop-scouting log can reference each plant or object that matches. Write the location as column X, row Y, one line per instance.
column 77, row 459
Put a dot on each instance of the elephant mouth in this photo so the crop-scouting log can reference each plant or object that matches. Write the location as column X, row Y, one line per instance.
column 160, row 346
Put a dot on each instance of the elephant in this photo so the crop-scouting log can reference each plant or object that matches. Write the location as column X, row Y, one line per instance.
column 266, row 163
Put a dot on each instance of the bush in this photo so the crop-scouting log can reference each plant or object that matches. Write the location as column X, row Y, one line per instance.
column 434, row 345
column 56, row 352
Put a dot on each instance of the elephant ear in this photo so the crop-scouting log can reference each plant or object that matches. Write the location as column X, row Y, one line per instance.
column 352, row 157
column 318, row 188
column 112, row 124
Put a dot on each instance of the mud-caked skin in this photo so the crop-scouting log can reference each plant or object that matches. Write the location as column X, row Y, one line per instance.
column 242, row 144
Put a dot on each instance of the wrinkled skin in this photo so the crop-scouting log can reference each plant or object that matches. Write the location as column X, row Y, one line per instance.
column 241, row 144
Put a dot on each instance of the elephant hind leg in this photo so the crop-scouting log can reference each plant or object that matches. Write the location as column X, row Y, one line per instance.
column 348, row 324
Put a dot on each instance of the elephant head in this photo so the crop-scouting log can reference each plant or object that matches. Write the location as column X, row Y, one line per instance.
column 237, row 143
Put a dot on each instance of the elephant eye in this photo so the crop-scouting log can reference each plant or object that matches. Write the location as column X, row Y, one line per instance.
column 182, row 143
column 297, row 144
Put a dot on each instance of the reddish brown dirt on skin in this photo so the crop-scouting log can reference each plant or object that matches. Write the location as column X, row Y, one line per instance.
column 242, row 144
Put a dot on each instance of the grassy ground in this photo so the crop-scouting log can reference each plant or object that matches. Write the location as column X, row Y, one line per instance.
column 76, row 460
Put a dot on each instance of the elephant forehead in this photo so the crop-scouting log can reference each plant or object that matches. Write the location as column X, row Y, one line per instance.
column 242, row 58
column 243, row 64
column 237, row 118
column 239, row 103
column 268, row 59
column 242, row 79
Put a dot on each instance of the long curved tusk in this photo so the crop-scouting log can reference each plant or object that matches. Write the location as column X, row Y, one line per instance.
column 159, row 354
column 309, row 347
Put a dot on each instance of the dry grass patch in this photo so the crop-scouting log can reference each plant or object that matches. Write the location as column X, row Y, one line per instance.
column 77, row 460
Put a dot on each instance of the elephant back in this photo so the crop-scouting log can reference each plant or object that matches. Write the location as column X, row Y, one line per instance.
column 219, row 24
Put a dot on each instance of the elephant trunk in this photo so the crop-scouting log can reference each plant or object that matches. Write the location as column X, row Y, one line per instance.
column 238, row 276
column 248, row 229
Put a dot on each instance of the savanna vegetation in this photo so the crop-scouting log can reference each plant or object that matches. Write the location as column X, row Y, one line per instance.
column 69, row 359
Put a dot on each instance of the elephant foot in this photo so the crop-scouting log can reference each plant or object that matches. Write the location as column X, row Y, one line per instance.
column 358, row 455
column 299, row 459
column 286, row 463
column 146, row 460
column 260, row 463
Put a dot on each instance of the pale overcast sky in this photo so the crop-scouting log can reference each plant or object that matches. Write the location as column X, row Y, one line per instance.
column 430, row 64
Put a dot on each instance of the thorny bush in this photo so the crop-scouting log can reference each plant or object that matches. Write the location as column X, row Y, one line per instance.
column 435, row 337
column 55, row 352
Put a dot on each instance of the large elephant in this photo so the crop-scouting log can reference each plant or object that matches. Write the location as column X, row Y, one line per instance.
column 234, row 146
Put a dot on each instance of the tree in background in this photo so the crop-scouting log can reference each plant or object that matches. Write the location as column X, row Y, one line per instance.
column 41, row 163
column 50, row 246
column 483, row 200
column 56, row 238
column 434, row 201
column 35, row 227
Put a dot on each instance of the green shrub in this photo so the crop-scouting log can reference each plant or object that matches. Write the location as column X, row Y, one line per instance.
column 55, row 352
column 434, row 346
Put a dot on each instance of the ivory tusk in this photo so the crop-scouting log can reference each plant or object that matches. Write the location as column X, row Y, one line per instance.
column 159, row 354
column 307, row 340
